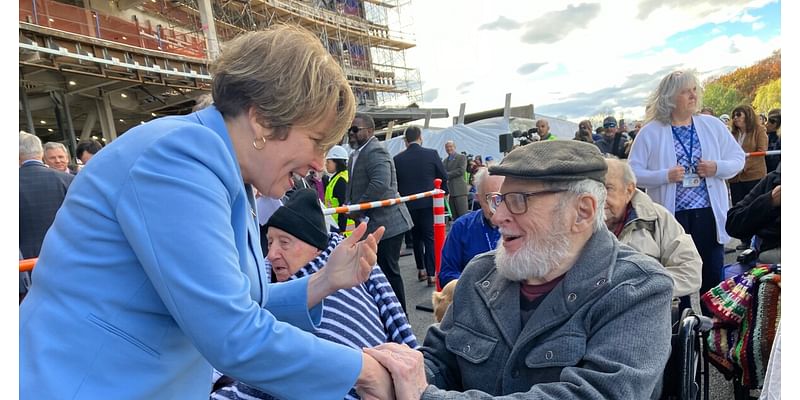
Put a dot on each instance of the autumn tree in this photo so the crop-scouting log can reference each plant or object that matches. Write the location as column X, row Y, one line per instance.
column 768, row 97
column 722, row 98
column 747, row 80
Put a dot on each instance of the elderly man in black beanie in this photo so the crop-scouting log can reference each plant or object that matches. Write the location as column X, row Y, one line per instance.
column 560, row 310
column 363, row 316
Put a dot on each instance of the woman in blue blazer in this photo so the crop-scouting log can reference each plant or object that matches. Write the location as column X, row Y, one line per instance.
column 152, row 271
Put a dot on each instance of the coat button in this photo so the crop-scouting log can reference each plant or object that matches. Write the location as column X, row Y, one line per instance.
column 466, row 349
column 548, row 355
column 572, row 297
column 515, row 374
column 600, row 282
column 486, row 284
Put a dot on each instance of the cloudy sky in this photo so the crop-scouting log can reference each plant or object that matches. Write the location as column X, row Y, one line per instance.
column 579, row 59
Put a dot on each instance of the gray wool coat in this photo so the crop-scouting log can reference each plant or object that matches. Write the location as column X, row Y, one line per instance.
column 602, row 333
column 374, row 178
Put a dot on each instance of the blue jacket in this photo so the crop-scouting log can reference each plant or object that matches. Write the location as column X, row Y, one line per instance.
column 165, row 279
column 469, row 236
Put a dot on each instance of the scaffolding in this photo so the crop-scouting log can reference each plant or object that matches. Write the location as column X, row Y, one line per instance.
column 123, row 62
column 368, row 38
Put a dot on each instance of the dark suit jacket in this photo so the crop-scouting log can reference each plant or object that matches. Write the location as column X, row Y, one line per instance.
column 41, row 192
column 417, row 167
column 455, row 174
column 374, row 178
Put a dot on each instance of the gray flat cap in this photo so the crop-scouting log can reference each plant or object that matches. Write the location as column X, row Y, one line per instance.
column 554, row 160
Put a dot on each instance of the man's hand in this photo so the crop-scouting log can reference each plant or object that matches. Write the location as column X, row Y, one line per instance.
column 706, row 168
column 407, row 367
column 374, row 381
column 349, row 264
column 776, row 196
column 675, row 174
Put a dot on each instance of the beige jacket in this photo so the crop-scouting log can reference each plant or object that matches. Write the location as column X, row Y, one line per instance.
column 656, row 233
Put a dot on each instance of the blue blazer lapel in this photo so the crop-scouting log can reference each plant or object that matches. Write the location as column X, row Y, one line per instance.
column 258, row 277
column 212, row 119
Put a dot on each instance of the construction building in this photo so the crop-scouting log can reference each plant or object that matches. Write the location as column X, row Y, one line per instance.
column 95, row 68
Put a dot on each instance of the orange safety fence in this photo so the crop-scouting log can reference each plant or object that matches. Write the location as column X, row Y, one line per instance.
column 763, row 153
column 27, row 264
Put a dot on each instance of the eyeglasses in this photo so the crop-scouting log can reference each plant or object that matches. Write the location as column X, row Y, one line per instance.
column 738, row 114
column 355, row 129
column 773, row 120
column 516, row 202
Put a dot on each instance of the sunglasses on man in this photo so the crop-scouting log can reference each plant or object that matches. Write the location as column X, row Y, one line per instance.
column 355, row 129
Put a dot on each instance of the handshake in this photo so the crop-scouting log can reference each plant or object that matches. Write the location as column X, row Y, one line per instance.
column 392, row 371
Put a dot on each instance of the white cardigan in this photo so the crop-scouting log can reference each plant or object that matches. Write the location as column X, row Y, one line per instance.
column 653, row 154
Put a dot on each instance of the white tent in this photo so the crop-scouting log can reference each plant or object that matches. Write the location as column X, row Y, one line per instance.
column 481, row 137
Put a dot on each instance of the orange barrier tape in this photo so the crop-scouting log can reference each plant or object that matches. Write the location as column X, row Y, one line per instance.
column 763, row 153
column 27, row 264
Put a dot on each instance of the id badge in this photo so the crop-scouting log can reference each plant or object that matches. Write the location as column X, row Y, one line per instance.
column 691, row 180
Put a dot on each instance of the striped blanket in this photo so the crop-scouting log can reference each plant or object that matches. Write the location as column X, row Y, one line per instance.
column 363, row 316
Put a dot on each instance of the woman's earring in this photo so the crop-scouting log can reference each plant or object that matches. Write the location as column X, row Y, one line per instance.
column 259, row 144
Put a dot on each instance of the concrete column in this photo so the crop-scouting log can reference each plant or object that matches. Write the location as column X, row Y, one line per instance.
column 70, row 128
column 26, row 107
column 106, row 117
column 91, row 119
column 209, row 28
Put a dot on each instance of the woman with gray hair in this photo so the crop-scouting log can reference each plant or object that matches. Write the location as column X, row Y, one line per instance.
column 682, row 159
column 168, row 279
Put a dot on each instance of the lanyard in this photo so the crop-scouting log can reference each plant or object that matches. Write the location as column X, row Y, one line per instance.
column 691, row 143
column 486, row 235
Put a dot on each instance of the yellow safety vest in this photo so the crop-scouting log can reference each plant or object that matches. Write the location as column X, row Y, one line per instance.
column 332, row 202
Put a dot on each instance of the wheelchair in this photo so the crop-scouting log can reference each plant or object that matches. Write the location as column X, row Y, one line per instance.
column 687, row 363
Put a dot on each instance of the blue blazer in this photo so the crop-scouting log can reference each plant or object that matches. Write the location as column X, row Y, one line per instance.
column 152, row 272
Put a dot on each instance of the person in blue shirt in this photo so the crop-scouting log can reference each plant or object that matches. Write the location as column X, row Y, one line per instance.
column 473, row 233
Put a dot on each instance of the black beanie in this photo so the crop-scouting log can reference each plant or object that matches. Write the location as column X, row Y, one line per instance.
column 302, row 218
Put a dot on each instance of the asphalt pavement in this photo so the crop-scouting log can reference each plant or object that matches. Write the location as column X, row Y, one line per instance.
column 418, row 298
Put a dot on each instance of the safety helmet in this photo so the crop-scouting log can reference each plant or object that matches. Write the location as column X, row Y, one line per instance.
column 337, row 153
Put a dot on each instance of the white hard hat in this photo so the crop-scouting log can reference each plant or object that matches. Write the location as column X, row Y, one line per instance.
column 337, row 153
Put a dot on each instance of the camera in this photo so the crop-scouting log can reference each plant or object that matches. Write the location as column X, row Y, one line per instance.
column 525, row 137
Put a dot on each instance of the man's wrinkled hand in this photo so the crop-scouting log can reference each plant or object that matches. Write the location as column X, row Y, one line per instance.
column 407, row 367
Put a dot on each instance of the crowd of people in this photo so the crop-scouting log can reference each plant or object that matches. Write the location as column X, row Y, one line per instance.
column 210, row 271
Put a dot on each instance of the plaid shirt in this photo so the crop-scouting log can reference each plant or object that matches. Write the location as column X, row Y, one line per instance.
column 688, row 198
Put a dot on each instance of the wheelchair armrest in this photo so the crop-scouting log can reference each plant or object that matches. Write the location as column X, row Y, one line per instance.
column 704, row 324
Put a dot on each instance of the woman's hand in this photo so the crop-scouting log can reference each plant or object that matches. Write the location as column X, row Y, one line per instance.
column 776, row 196
column 706, row 168
column 407, row 367
column 675, row 174
column 374, row 381
column 349, row 264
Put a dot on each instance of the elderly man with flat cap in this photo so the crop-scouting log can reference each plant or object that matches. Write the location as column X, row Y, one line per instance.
column 561, row 310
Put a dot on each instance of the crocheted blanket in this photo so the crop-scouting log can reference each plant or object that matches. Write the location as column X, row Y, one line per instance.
column 746, row 312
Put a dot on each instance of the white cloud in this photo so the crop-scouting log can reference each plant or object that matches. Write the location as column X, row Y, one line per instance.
column 745, row 18
column 757, row 26
column 592, row 59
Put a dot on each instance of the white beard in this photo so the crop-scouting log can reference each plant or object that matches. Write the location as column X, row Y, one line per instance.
column 537, row 257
